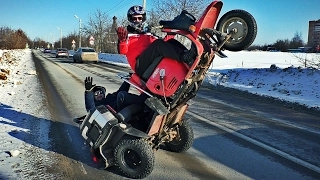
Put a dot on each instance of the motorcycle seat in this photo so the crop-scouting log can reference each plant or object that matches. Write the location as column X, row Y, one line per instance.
column 181, row 22
column 126, row 113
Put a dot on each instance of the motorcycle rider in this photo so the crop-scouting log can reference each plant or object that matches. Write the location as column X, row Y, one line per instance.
column 141, row 47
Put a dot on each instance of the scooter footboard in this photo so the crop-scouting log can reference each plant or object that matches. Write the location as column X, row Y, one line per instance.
column 96, row 126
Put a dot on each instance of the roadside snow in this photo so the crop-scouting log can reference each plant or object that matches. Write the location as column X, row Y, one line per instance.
column 23, row 130
column 274, row 74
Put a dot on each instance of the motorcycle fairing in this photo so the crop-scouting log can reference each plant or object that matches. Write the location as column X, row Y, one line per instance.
column 174, row 74
column 180, row 71
column 177, row 72
column 209, row 16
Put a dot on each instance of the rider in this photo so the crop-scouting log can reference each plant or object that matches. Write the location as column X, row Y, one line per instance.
column 141, row 47
column 96, row 96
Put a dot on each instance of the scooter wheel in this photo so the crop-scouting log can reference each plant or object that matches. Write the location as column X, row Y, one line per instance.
column 244, row 27
column 134, row 157
column 185, row 139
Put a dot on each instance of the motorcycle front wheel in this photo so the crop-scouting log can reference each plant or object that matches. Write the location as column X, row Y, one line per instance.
column 184, row 140
column 243, row 24
column 134, row 157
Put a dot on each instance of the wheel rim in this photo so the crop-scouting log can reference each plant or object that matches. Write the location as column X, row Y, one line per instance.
column 177, row 139
column 131, row 158
column 239, row 26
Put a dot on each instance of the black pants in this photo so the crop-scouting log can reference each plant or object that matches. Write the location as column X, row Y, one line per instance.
column 171, row 49
column 124, row 99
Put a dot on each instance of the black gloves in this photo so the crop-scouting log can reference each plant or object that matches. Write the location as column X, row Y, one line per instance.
column 88, row 84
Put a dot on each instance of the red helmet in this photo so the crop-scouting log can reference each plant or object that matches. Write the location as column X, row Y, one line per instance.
column 136, row 10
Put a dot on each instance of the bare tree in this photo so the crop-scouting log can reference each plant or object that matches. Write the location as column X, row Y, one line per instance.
column 308, row 60
column 67, row 41
column 282, row 45
column 168, row 9
column 13, row 39
column 297, row 40
column 122, row 21
column 18, row 40
column 4, row 36
column 111, row 38
column 97, row 26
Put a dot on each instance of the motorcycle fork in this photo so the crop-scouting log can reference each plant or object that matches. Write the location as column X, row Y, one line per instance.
column 211, row 35
column 174, row 133
column 168, row 131
column 227, row 37
column 167, row 135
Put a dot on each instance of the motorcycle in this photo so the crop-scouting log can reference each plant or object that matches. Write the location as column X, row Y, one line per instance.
column 129, row 138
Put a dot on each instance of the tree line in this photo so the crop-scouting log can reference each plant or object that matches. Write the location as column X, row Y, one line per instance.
column 13, row 39
column 282, row 44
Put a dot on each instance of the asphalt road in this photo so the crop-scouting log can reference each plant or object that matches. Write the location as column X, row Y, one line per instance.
column 237, row 135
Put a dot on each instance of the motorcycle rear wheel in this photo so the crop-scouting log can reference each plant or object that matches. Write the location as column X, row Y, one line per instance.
column 184, row 142
column 134, row 157
column 246, row 29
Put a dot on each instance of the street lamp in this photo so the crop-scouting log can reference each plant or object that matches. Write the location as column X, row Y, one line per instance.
column 52, row 40
column 144, row 4
column 79, row 29
column 60, row 37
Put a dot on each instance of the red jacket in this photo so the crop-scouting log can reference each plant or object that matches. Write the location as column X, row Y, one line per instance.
column 135, row 45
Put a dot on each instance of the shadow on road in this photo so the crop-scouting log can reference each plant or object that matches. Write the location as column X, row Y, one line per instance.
column 61, row 138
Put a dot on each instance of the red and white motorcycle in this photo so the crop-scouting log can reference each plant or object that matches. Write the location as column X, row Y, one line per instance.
column 129, row 138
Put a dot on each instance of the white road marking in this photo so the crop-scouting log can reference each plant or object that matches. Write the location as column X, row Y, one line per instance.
column 257, row 143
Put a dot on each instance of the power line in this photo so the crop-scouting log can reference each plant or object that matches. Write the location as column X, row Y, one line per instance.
column 125, row 5
column 115, row 6
column 120, row 6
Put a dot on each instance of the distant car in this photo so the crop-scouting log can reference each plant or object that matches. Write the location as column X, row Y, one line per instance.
column 62, row 52
column 71, row 52
column 85, row 54
column 46, row 50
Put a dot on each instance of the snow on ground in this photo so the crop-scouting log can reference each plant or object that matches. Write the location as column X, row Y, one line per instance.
column 275, row 74
column 21, row 100
column 21, row 115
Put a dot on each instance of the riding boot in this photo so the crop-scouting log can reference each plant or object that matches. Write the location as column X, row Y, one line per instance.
column 79, row 120
column 189, row 56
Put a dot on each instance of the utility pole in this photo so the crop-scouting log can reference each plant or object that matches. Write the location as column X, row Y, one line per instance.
column 60, row 37
column 144, row 4
column 52, row 40
column 79, row 29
